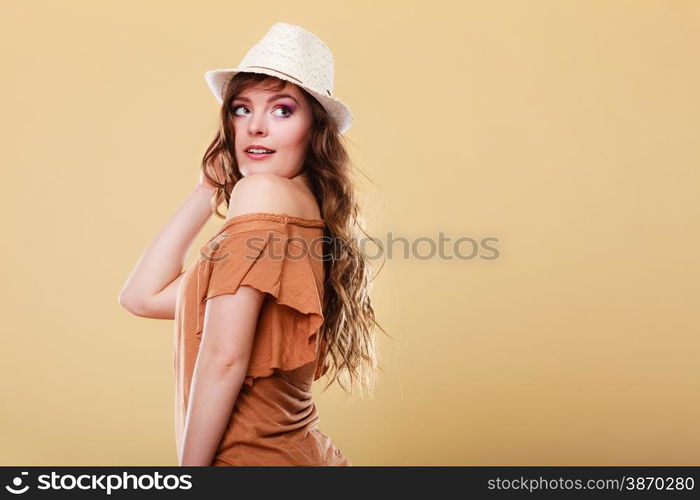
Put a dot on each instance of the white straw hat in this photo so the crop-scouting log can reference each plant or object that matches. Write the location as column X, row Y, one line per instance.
column 293, row 54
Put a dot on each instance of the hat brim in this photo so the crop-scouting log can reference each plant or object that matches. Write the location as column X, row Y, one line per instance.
column 339, row 111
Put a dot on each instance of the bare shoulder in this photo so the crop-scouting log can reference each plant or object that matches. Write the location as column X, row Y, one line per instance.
column 269, row 193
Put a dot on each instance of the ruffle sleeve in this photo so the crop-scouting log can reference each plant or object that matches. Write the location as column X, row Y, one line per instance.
column 280, row 259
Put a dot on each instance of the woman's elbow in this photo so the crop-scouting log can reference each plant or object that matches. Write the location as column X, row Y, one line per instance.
column 154, row 308
column 131, row 304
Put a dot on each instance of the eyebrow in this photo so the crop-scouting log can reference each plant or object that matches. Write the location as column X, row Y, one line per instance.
column 273, row 98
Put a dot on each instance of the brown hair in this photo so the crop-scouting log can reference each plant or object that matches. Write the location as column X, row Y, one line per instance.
column 348, row 343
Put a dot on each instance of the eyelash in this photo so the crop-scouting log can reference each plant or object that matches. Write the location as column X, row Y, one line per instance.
column 286, row 108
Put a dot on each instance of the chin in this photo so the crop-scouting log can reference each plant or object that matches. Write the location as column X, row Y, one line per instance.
column 262, row 169
column 256, row 169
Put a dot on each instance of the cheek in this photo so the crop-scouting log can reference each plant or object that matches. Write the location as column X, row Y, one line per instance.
column 291, row 144
column 297, row 150
column 301, row 140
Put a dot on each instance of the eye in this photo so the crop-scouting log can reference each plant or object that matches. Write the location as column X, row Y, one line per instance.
column 286, row 109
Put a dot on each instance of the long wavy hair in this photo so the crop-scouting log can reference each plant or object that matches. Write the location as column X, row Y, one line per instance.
column 348, row 340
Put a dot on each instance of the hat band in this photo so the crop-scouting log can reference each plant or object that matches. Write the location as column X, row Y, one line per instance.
column 278, row 71
column 282, row 73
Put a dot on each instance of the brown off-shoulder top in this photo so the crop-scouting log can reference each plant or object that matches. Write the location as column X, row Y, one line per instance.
column 274, row 419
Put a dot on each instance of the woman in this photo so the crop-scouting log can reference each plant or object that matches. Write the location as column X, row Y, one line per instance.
column 280, row 294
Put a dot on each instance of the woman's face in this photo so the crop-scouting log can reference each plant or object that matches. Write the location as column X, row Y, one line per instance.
column 278, row 121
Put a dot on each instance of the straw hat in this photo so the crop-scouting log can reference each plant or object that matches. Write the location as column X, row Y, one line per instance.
column 293, row 54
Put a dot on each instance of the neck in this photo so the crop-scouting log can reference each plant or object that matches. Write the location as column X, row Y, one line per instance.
column 302, row 179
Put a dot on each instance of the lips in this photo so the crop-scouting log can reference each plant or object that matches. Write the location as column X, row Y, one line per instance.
column 258, row 146
column 258, row 156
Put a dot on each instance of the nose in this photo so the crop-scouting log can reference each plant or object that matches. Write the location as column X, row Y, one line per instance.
column 256, row 125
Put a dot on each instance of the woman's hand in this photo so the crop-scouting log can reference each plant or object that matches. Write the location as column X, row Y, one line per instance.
column 217, row 172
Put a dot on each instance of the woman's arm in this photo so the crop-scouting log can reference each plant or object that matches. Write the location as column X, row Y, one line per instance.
column 224, row 354
column 151, row 288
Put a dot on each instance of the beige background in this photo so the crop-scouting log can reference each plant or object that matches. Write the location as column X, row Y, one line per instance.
column 567, row 130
